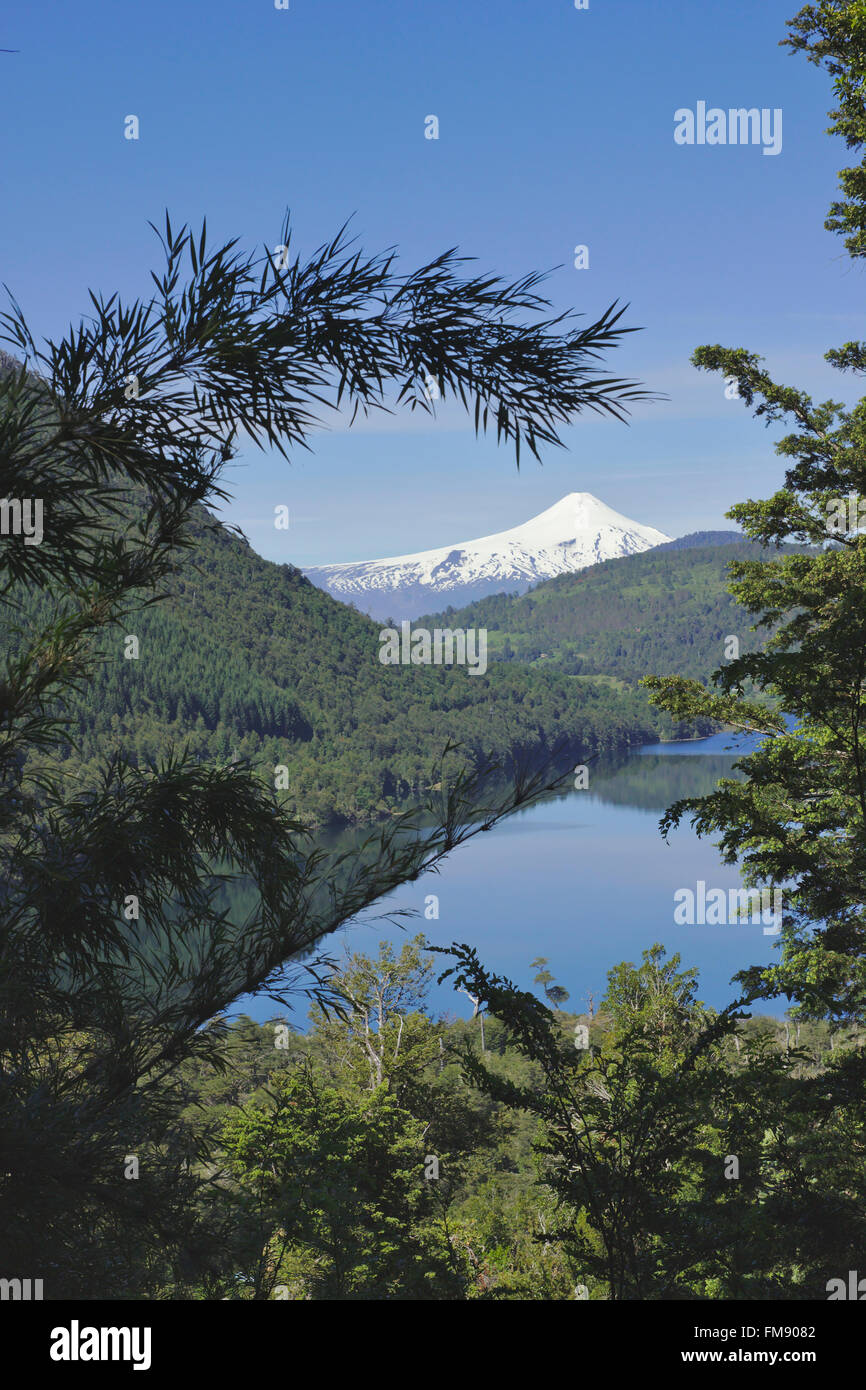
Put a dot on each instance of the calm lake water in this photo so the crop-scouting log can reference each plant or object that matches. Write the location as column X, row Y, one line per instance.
column 585, row 879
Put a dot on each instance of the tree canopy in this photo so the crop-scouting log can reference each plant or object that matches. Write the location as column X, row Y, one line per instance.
column 117, row 956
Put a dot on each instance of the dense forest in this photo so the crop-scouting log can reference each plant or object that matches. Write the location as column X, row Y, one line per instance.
column 667, row 609
column 366, row 1159
column 643, row 1148
column 247, row 660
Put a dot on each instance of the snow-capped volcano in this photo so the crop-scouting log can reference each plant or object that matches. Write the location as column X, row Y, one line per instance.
column 575, row 532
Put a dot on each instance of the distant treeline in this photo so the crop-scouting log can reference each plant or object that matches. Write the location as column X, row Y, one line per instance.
column 246, row 659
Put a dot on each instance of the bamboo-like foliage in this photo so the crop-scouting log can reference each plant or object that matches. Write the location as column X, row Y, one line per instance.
column 121, row 429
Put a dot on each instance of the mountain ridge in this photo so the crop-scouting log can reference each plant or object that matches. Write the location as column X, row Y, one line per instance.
column 577, row 531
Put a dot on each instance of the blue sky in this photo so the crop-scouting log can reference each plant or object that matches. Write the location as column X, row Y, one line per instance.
column 556, row 129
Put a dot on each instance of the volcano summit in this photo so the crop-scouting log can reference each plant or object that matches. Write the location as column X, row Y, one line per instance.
column 574, row 533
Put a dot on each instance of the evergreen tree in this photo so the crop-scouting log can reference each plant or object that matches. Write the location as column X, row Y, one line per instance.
column 117, row 956
column 797, row 820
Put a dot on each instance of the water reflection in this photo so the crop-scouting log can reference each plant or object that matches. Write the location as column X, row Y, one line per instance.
column 582, row 877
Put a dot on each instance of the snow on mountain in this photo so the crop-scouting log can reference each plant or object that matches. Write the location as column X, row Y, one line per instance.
column 576, row 532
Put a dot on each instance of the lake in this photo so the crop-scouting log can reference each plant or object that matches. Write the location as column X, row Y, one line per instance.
column 585, row 879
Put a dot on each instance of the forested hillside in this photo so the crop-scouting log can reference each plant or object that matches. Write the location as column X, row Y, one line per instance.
column 667, row 610
column 246, row 659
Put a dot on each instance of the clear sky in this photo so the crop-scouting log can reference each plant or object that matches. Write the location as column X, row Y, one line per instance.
column 556, row 129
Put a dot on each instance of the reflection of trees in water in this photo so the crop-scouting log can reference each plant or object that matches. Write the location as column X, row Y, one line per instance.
column 650, row 782
column 647, row 782
column 653, row 781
